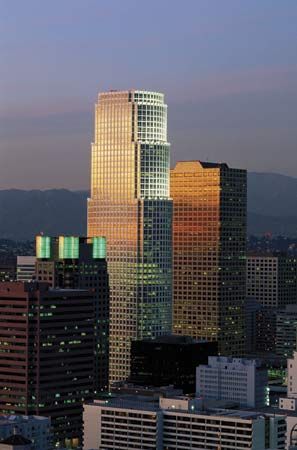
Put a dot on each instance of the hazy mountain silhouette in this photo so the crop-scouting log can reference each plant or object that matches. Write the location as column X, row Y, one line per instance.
column 272, row 207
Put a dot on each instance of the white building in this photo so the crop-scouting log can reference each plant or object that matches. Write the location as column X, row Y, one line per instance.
column 25, row 268
column 177, row 424
column 233, row 379
column 289, row 403
column 35, row 428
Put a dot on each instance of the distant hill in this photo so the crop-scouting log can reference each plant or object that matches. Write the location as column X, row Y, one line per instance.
column 271, row 194
column 23, row 214
column 272, row 207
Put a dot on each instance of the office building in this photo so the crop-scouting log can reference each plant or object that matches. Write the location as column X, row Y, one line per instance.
column 209, row 244
column 47, row 357
column 242, row 381
column 251, row 309
column 169, row 360
column 26, row 268
column 130, row 206
column 272, row 279
column 35, row 428
column 72, row 262
column 286, row 331
column 177, row 424
column 7, row 269
column 265, row 330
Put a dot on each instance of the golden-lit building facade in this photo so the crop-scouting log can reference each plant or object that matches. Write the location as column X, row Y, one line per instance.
column 209, row 252
column 130, row 206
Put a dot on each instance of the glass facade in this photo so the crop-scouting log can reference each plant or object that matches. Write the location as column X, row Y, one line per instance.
column 130, row 206
column 99, row 247
column 43, row 247
column 68, row 247
column 209, row 236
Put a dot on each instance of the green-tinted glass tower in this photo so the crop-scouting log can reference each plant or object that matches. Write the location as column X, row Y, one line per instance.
column 130, row 205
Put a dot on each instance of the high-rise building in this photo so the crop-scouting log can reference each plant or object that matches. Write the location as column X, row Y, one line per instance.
column 240, row 380
column 286, row 331
column 72, row 262
column 251, row 309
column 209, row 244
column 169, row 360
column 178, row 423
column 272, row 279
column 265, row 337
column 130, row 206
column 25, row 268
column 47, row 354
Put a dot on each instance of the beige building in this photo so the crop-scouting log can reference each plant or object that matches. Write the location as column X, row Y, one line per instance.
column 130, row 206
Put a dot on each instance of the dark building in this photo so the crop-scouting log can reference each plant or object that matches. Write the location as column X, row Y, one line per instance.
column 169, row 360
column 251, row 309
column 8, row 270
column 72, row 262
column 286, row 331
column 47, row 354
column 272, row 279
column 265, row 330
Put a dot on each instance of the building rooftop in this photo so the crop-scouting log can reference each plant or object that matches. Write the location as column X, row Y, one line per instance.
column 11, row 418
column 16, row 439
column 191, row 406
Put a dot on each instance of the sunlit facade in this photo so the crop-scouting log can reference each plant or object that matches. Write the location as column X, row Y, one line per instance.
column 209, row 235
column 130, row 206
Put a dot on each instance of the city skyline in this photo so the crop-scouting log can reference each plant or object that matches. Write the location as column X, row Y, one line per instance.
column 229, row 76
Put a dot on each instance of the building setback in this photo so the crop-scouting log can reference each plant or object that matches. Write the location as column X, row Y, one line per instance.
column 47, row 354
column 209, row 245
column 72, row 262
column 130, row 206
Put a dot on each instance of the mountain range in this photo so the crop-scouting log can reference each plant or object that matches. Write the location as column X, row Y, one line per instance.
column 272, row 207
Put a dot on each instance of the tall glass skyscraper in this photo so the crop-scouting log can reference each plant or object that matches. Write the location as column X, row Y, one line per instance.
column 209, row 252
column 130, row 206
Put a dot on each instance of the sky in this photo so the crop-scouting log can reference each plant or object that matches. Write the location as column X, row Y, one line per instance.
column 228, row 70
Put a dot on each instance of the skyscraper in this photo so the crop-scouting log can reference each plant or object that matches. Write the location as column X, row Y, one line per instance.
column 209, row 241
column 47, row 354
column 130, row 206
column 72, row 262
column 272, row 279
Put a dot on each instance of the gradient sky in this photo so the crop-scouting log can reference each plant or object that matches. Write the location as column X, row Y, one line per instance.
column 228, row 69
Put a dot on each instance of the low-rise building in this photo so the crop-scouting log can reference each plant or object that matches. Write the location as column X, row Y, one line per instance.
column 177, row 424
column 26, row 268
column 240, row 380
